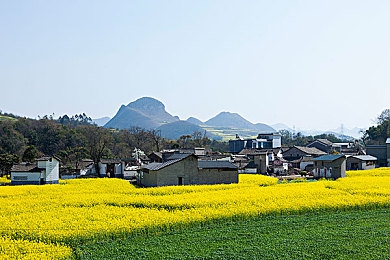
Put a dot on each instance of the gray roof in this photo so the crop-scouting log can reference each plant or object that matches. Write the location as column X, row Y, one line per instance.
column 158, row 166
column 48, row 158
column 110, row 161
column 310, row 150
column 155, row 166
column 329, row 157
column 325, row 141
column 25, row 167
column 180, row 156
column 216, row 165
column 252, row 151
column 388, row 141
column 365, row 157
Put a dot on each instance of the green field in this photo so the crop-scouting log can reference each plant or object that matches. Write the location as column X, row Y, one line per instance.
column 227, row 133
column 4, row 118
column 331, row 235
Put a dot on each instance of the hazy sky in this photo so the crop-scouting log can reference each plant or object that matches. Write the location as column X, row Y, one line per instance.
column 309, row 64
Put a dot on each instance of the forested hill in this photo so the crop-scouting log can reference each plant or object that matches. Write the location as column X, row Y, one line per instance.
column 75, row 138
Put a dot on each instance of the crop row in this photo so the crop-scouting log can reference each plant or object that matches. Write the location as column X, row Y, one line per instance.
column 83, row 210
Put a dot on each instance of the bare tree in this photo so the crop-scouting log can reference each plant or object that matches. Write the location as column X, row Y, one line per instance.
column 98, row 140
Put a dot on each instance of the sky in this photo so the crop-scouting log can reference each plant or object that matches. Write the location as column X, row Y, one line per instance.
column 307, row 64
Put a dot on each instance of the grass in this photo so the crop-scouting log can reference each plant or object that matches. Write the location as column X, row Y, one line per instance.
column 4, row 118
column 227, row 133
column 331, row 235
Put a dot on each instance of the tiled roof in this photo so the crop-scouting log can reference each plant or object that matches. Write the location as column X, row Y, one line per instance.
column 25, row 167
column 107, row 161
column 365, row 157
column 216, row 165
column 158, row 154
column 48, row 158
column 329, row 157
column 180, row 156
column 325, row 141
column 252, row 151
column 310, row 150
column 158, row 166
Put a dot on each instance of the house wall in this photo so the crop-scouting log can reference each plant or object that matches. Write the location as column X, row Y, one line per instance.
column 235, row 146
column 52, row 171
column 320, row 146
column 293, row 154
column 303, row 165
column 334, row 169
column 381, row 152
column 388, row 154
column 217, row 176
column 20, row 178
column 362, row 165
column 186, row 169
column 148, row 179
column 262, row 162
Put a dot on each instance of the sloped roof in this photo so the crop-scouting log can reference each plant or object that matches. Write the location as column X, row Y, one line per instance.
column 158, row 166
column 25, row 167
column 310, row 150
column 158, row 154
column 365, row 157
column 180, row 156
column 325, row 141
column 47, row 158
column 329, row 157
column 216, row 165
column 388, row 141
column 110, row 161
column 252, row 151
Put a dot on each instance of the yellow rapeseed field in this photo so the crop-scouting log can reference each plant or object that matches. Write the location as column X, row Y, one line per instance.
column 46, row 221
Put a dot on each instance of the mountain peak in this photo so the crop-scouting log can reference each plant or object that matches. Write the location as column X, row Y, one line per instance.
column 145, row 112
column 146, row 104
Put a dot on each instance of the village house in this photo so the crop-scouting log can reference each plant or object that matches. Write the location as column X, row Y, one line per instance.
column 258, row 160
column 155, row 157
column 322, row 144
column 186, row 169
column 381, row 152
column 267, row 140
column 298, row 152
column 361, row 162
column 44, row 171
column 330, row 166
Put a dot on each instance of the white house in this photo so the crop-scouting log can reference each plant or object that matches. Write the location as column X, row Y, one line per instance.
column 45, row 170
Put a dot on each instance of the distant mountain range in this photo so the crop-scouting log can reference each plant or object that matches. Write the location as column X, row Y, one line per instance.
column 150, row 113
column 342, row 133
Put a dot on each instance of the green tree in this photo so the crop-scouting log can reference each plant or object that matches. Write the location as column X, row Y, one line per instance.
column 30, row 154
column 7, row 161
column 11, row 141
column 379, row 133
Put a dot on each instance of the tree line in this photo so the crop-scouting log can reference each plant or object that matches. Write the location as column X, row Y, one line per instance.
column 73, row 138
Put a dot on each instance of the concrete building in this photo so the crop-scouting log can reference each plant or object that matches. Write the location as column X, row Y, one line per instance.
column 381, row 152
column 185, row 169
column 297, row 152
column 330, row 166
column 44, row 170
column 361, row 162
column 268, row 140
